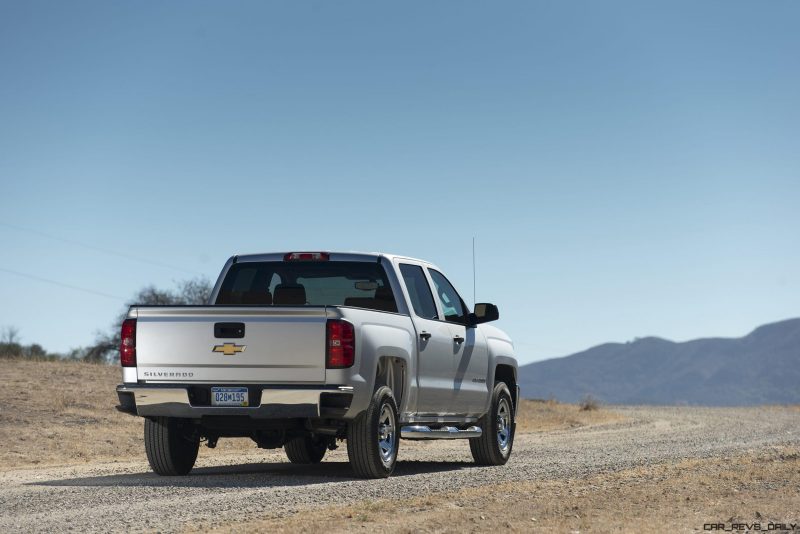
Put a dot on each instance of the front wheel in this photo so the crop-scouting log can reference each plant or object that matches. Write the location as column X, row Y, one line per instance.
column 171, row 445
column 493, row 447
column 373, row 437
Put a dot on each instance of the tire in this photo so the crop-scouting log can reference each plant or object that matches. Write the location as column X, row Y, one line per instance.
column 305, row 450
column 494, row 445
column 374, row 437
column 170, row 445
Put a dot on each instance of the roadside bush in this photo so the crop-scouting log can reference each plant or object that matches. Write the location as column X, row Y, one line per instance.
column 32, row 352
column 589, row 403
column 10, row 350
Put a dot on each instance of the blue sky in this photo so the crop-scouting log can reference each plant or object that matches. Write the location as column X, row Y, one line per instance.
column 628, row 168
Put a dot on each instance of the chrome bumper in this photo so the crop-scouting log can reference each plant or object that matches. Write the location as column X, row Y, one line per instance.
column 276, row 403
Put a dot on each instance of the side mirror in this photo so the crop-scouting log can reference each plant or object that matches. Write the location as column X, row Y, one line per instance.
column 484, row 312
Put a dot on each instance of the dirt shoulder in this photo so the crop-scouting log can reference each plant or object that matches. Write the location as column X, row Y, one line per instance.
column 58, row 413
column 55, row 413
column 547, row 416
column 755, row 488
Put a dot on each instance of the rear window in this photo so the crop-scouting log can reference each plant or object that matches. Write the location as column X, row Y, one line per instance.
column 308, row 283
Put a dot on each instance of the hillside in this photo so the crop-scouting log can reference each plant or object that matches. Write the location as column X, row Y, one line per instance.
column 762, row 367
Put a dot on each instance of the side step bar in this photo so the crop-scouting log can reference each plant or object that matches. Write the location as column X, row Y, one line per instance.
column 445, row 432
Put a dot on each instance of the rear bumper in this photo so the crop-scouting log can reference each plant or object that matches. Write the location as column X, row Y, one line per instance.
column 275, row 402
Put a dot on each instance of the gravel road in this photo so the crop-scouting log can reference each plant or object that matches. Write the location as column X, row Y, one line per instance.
column 226, row 488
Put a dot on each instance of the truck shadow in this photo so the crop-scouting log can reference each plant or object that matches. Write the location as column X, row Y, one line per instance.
column 253, row 475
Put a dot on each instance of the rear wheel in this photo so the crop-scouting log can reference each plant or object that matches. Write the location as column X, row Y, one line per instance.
column 305, row 450
column 373, row 437
column 493, row 447
column 171, row 445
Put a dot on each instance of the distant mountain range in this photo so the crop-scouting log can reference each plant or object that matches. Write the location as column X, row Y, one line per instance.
column 762, row 367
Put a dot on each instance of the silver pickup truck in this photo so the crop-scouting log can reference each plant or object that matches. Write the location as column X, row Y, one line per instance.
column 301, row 349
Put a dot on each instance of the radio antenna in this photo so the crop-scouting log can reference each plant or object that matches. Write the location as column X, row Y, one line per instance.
column 474, row 298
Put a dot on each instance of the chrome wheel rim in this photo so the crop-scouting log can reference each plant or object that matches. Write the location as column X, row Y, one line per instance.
column 503, row 425
column 386, row 430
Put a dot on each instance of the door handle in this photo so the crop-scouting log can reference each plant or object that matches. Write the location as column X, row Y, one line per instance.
column 458, row 339
column 424, row 336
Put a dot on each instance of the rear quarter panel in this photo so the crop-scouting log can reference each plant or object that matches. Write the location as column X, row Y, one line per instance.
column 378, row 335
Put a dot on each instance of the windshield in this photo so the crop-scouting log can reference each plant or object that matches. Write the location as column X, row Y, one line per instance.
column 308, row 283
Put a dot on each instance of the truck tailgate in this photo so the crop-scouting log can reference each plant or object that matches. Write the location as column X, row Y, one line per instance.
column 178, row 344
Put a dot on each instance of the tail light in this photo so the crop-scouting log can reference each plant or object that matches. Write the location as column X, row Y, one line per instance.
column 341, row 344
column 307, row 256
column 127, row 344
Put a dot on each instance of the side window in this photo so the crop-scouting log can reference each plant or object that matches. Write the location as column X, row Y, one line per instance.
column 452, row 305
column 418, row 291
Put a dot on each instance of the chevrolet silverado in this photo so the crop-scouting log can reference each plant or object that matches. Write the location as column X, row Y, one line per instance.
column 302, row 350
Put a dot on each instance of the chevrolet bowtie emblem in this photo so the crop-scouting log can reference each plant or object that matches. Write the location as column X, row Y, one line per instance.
column 229, row 349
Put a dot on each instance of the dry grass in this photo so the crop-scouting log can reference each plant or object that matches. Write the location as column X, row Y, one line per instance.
column 760, row 487
column 546, row 416
column 62, row 413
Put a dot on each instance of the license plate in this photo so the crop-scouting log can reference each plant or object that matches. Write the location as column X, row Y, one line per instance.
column 229, row 397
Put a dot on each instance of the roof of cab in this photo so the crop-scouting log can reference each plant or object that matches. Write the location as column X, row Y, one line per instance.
column 334, row 255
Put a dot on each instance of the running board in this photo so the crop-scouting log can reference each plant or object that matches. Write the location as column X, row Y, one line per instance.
column 446, row 432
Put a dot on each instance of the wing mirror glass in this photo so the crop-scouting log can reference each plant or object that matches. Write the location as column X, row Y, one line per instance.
column 485, row 312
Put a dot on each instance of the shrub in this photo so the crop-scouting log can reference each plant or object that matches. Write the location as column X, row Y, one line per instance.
column 589, row 403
